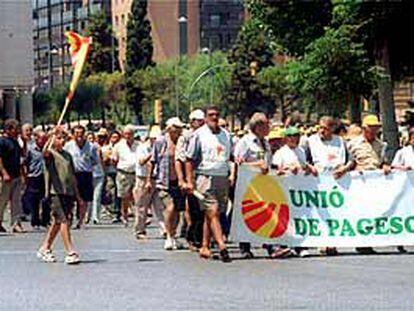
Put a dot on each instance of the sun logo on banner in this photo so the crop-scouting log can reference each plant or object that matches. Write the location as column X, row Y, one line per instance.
column 265, row 208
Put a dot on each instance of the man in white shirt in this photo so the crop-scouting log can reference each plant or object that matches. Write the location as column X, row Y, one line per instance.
column 208, row 154
column 124, row 157
column 404, row 158
column 327, row 151
column 143, row 197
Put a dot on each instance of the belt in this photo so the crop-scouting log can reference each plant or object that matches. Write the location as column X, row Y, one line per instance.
column 125, row 172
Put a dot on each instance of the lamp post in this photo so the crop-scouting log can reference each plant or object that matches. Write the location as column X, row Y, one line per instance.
column 182, row 46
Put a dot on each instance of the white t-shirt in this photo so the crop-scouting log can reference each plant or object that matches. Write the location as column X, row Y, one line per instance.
column 404, row 157
column 143, row 151
column 125, row 155
column 286, row 157
column 211, row 151
column 326, row 154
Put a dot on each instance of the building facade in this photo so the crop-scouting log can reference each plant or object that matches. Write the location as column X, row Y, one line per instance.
column 51, row 19
column 183, row 26
column 16, row 60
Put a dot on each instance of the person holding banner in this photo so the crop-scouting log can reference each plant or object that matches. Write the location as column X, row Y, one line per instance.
column 208, row 154
column 404, row 158
column 254, row 150
column 329, row 154
column 369, row 153
column 292, row 159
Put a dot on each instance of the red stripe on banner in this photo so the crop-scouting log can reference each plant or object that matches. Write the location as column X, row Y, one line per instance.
column 257, row 221
column 282, row 223
column 250, row 207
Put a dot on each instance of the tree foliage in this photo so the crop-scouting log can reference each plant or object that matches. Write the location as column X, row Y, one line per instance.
column 102, row 48
column 138, row 54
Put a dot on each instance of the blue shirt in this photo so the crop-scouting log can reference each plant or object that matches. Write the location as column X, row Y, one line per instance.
column 84, row 158
column 161, row 161
column 34, row 160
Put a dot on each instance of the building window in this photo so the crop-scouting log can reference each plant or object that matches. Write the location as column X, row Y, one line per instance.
column 215, row 20
column 116, row 21
column 123, row 19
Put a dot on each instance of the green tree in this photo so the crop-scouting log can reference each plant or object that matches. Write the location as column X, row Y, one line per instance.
column 250, row 54
column 102, row 49
column 139, row 52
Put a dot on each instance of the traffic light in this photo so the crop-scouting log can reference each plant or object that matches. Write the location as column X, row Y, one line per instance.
column 157, row 111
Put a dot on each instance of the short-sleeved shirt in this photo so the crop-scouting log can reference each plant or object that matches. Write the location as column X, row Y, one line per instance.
column 34, row 161
column 251, row 149
column 84, row 158
column 126, row 156
column 163, row 160
column 326, row 154
column 210, row 152
column 98, row 170
column 367, row 155
column 181, row 147
column 60, row 173
column 287, row 157
column 143, row 151
column 10, row 154
column 404, row 157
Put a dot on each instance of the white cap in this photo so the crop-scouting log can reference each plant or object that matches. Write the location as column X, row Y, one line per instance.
column 197, row 114
column 174, row 122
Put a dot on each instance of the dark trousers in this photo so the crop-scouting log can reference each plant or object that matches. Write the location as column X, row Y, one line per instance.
column 34, row 198
column 195, row 231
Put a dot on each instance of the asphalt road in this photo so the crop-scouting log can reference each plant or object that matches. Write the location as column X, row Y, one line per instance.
column 121, row 273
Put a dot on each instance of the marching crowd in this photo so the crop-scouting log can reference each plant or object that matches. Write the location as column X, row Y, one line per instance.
column 183, row 176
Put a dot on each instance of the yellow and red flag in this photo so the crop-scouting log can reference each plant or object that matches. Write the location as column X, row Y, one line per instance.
column 79, row 50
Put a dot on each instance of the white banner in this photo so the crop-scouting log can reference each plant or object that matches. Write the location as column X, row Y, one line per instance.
column 368, row 209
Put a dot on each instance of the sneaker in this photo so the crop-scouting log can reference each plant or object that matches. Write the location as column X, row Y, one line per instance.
column 46, row 255
column 177, row 244
column 224, row 256
column 72, row 259
column 169, row 244
column 302, row 253
column 116, row 220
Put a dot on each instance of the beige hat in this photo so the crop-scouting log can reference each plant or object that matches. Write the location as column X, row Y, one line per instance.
column 175, row 121
column 197, row 114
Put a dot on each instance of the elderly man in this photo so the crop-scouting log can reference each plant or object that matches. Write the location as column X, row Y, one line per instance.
column 124, row 157
column 254, row 150
column 145, row 198
column 208, row 156
column 166, row 179
column 193, row 215
column 35, row 183
column 369, row 153
column 85, row 157
column 328, row 153
column 10, row 170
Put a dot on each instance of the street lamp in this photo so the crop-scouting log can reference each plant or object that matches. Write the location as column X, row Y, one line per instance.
column 182, row 45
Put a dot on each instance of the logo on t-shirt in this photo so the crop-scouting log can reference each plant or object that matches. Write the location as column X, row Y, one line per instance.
column 265, row 207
